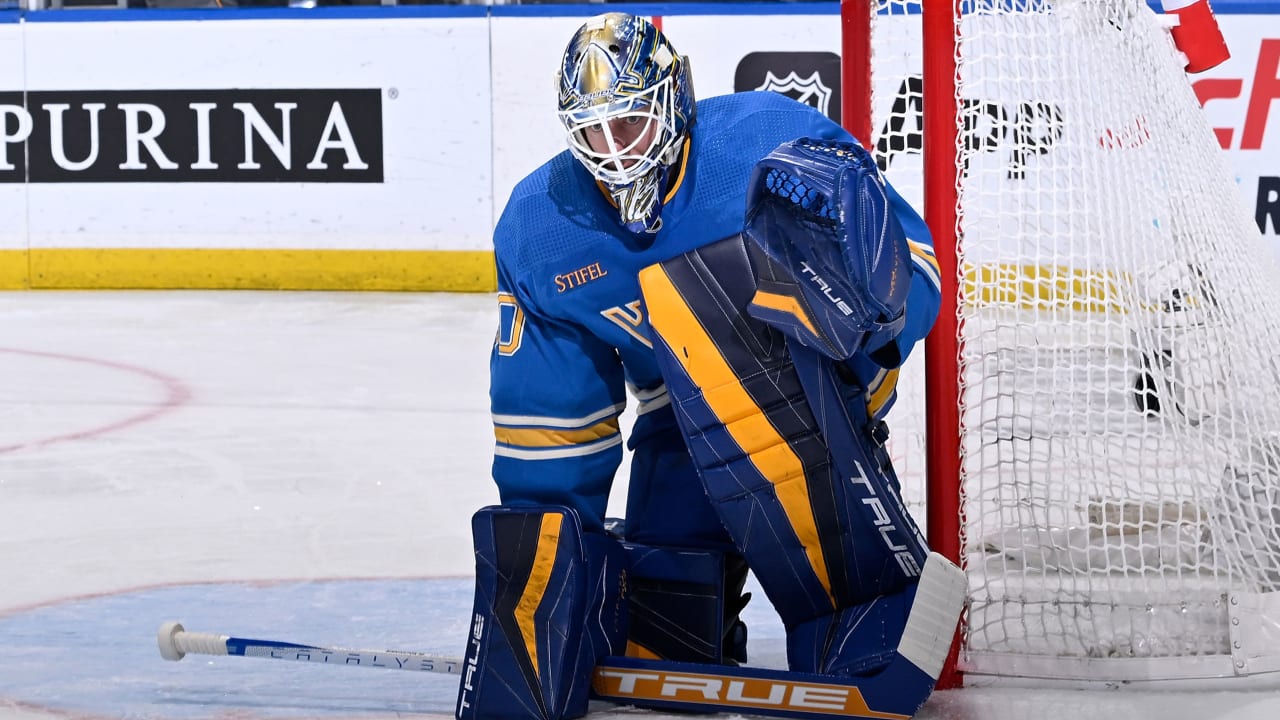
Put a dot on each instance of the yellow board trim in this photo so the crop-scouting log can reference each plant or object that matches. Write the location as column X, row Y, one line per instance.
column 15, row 270
column 997, row 284
column 722, row 390
column 243, row 269
column 1047, row 287
column 534, row 590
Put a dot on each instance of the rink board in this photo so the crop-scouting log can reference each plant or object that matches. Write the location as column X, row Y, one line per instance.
column 384, row 161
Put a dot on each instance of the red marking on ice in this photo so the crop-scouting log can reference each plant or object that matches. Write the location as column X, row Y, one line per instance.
column 176, row 394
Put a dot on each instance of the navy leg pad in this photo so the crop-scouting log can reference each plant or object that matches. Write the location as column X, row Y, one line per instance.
column 896, row 690
column 549, row 603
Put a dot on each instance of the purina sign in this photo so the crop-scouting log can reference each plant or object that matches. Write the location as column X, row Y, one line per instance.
column 312, row 135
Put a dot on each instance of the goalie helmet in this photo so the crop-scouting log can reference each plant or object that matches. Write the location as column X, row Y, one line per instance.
column 627, row 104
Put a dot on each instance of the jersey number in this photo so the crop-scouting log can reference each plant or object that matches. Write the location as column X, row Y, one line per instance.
column 510, row 324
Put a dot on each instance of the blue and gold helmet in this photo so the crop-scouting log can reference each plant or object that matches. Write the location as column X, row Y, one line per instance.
column 627, row 104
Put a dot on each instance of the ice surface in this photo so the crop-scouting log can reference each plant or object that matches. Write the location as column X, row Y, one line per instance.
column 294, row 466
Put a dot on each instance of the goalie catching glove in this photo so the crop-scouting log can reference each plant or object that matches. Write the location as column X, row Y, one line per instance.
column 833, row 262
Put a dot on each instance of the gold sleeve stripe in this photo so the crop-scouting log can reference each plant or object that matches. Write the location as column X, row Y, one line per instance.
column 785, row 304
column 534, row 590
column 881, row 394
column 559, row 422
column 543, row 437
column 567, row 451
column 920, row 248
column 923, row 257
column 724, row 394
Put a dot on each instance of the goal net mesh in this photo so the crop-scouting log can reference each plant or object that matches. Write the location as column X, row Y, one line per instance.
column 1119, row 330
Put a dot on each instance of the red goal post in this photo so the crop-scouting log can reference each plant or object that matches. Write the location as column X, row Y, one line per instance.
column 1100, row 420
column 942, row 439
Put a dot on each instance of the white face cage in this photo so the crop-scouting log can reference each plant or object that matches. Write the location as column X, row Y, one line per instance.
column 638, row 133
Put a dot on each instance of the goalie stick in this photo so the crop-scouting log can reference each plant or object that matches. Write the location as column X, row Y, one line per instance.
column 651, row 684
column 894, row 693
column 175, row 643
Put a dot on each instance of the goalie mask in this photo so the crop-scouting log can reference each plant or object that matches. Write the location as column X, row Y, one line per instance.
column 626, row 101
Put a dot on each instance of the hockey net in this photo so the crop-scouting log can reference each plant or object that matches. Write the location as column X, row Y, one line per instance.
column 1115, row 472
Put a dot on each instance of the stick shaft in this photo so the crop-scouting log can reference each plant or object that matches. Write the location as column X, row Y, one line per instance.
column 418, row 662
column 176, row 643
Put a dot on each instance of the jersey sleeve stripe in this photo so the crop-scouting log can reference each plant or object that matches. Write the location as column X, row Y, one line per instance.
column 881, row 391
column 657, row 403
column 559, row 452
column 919, row 248
column 558, row 422
column 545, row 437
column 923, row 251
column 926, row 263
column 651, row 399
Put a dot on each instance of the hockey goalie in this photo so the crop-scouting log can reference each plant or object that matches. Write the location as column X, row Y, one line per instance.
column 743, row 268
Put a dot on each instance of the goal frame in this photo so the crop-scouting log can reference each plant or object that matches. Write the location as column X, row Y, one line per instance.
column 1243, row 612
column 941, row 199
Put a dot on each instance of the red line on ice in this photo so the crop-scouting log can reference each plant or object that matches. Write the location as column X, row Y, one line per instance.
column 176, row 395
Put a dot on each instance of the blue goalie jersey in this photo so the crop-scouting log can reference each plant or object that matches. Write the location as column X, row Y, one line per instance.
column 573, row 336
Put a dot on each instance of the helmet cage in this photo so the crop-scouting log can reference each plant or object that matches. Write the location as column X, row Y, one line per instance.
column 626, row 161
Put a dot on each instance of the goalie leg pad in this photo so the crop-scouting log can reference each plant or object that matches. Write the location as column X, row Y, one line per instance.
column 662, row 479
column 549, row 603
column 815, row 528
column 897, row 690
column 763, row 416
column 832, row 259
column 728, row 380
column 852, row 641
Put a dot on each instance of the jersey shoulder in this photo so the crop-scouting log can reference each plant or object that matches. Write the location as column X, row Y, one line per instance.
column 758, row 121
column 734, row 132
column 554, row 213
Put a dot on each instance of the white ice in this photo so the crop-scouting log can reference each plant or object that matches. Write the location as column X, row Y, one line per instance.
column 162, row 448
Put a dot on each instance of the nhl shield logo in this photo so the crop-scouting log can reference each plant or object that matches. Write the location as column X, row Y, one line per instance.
column 809, row 90
column 812, row 78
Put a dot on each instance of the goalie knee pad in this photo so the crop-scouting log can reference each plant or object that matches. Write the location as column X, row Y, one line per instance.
column 832, row 259
column 549, row 602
